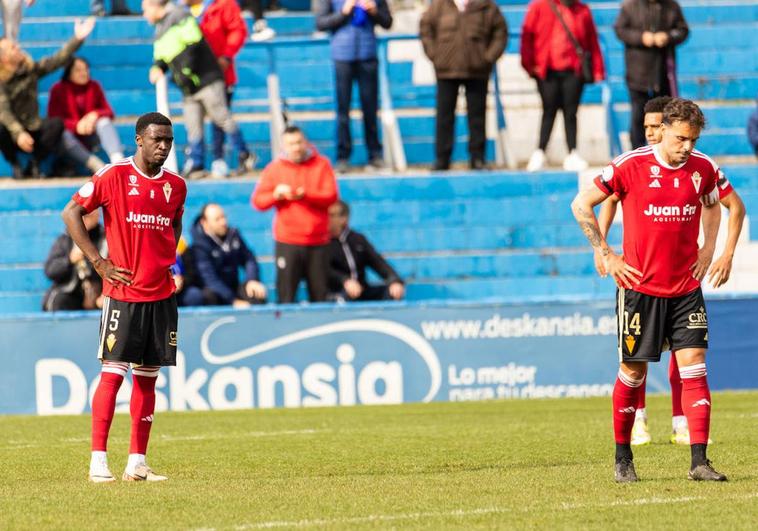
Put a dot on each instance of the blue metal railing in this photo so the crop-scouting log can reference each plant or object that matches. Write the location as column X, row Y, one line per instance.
column 393, row 145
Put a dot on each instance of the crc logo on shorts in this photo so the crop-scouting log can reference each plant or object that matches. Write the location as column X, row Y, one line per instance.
column 698, row 320
column 173, row 339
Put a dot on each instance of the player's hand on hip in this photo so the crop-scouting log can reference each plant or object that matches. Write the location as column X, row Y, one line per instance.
column 600, row 264
column 720, row 270
column 700, row 267
column 110, row 272
column 625, row 275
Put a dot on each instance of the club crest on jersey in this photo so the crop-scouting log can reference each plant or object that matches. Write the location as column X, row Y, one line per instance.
column 167, row 191
column 152, row 194
column 133, row 191
column 655, row 172
column 133, row 180
column 676, row 182
column 696, row 180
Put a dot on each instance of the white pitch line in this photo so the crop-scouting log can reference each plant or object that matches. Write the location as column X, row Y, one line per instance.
column 20, row 445
column 372, row 518
column 462, row 513
column 239, row 435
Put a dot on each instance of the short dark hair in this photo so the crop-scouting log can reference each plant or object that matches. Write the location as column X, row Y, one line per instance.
column 291, row 129
column 70, row 66
column 681, row 110
column 657, row 104
column 151, row 118
column 344, row 207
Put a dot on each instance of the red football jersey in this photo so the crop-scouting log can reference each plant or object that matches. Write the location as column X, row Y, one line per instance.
column 138, row 213
column 662, row 207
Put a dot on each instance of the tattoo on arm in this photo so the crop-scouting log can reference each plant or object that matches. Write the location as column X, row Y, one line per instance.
column 589, row 226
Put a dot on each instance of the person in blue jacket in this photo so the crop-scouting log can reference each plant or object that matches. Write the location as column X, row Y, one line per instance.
column 351, row 23
column 219, row 252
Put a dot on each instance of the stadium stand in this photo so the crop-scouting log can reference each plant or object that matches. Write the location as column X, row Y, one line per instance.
column 453, row 236
column 717, row 67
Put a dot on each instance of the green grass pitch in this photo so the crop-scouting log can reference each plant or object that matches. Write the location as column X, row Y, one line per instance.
column 506, row 464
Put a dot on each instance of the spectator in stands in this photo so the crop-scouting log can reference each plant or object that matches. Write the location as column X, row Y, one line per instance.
column 76, row 284
column 353, row 43
column 80, row 102
column 752, row 130
column 261, row 31
column 12, row 17
column 225, row 32
column 118, row 8
column 650, row 31
column 21, row 128
column 300, row 184
column 464, row 39
column 180, row 47
column 350, row 253
column 561, row 51
column 219, row 252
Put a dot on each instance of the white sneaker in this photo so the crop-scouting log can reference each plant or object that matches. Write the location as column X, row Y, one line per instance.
column 98, row 468
column 100, row 474
column 573, row 162
column 536, row 161
column 142, row 473
column 680, row 435
column 640, row 432
column 219, row 169
column 261, row 32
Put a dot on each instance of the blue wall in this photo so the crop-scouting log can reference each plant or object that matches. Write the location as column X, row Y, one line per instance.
column 325, row 355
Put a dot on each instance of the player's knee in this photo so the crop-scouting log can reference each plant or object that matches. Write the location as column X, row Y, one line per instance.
column 633, row 372
column 690, row 356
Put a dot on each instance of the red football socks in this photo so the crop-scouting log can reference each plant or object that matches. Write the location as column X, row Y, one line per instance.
column 676, row 388
column 625, row 397
column 696, row 402
column 142, row 407
column 103, row 406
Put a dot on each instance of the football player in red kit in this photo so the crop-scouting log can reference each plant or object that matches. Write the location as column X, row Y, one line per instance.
column 663, row 189
column 142, row 207
column 717, row 275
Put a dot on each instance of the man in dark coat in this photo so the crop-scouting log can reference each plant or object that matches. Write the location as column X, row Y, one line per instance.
column 350, row 253
column 219, row 252
column 464, row 39
column 650, row 30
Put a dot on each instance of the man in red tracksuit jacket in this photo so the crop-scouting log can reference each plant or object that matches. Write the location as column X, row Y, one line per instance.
column 301, row 186
column 225, row 32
